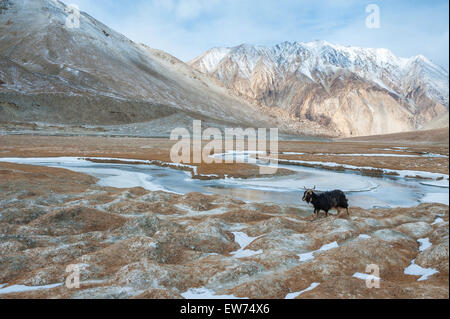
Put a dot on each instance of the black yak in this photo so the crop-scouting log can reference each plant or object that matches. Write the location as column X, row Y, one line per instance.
column 326, row 200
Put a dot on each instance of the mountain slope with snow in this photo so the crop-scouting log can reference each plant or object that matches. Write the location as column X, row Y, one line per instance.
column 356, row 91
column 96, row 76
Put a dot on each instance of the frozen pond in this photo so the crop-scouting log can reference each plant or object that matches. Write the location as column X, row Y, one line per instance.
column 362, row 191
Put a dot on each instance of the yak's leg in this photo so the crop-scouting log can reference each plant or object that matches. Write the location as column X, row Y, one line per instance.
column 348, row 214
column 326, row 213
column 338, row 212
column 318, row 213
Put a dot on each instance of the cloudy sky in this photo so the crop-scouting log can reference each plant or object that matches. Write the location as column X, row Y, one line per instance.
column 187, row 28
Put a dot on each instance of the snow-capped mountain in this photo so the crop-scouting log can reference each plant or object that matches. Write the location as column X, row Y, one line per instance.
column 356, row 91
column 94, row 75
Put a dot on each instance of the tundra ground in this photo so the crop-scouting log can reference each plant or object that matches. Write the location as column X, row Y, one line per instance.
column 134, row 243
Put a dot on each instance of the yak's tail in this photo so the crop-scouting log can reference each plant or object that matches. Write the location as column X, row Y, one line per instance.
column 344, row 199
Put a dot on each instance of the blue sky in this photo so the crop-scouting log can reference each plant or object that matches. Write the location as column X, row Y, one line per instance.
column 187, row 28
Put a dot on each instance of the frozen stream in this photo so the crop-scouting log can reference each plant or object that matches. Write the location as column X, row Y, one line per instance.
column 362, row 191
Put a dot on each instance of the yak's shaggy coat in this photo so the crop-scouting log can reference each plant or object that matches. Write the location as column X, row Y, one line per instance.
column 325, row 201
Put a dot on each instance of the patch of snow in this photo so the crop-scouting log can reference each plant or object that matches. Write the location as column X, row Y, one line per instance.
column 293, row 295
column 212, row 58
column 438, row 220
column 205, row 293
column 434, row 155
column 404, row 149
column 191, row 212
column 441, row 198
column 243, row 240
column 208, row 175
column 23, row 288
column 364, row 236
column 329, row 246
column 306, row 256
column 153, row 244
column 241, row 253
column 424, row 243
column 310, row 255
column 416, row 270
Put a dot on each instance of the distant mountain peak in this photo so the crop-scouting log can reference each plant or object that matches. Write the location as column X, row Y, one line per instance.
column 283, row 75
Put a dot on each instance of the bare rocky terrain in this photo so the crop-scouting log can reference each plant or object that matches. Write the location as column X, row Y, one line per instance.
column 134, row 243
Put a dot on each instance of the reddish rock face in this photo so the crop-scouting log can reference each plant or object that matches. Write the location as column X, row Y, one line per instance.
column 132, row 243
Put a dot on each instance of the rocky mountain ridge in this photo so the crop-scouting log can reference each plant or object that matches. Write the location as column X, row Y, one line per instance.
column 356, row 91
